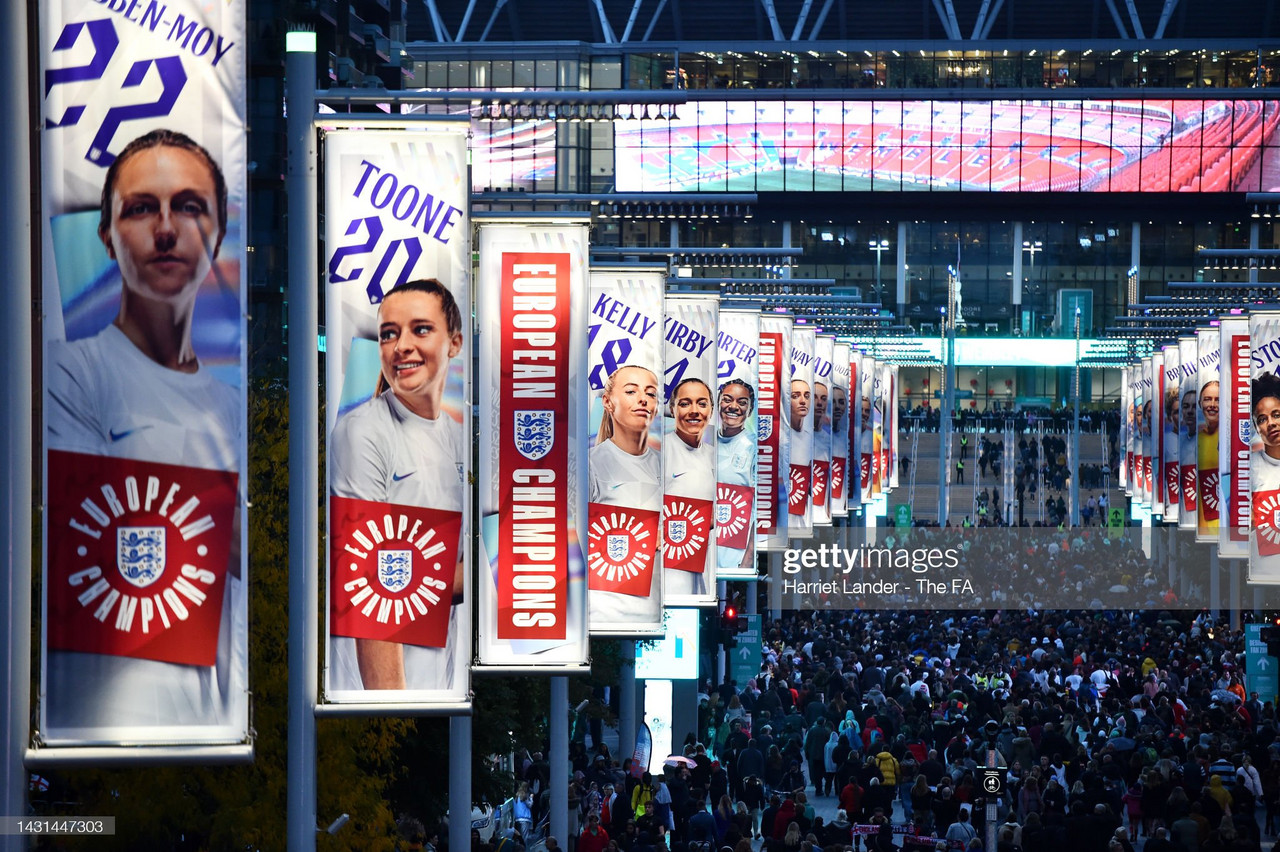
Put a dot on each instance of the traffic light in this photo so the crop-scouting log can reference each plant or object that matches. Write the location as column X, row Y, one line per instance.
column 1271, row 635
column 731, row 624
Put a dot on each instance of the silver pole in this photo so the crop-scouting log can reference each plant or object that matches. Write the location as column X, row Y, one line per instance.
column 626, row 700
column 459, row 783
column 15, row 252
column 1075, row 434
column 1215, row 586
column 560, row 760
column 304, row 451
column 1235, row 567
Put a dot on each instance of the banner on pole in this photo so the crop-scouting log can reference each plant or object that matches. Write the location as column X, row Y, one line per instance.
column 624, row 364
column 398, row 305
column 1264, row 448
column 1234, row 438
column 1169, row 422
column 1187, row 360
column 145, row 637
column 868, row 442
column 737, row 396
column 823, row 366
column 1207, row 397
column 800, row 424
column 689, row 451
column 532, row 585
column 840, row 431
column 774, row 460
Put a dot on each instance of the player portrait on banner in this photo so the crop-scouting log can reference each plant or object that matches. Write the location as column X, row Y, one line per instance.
column 689, row 459
column 397, row 491
column 737, row 477
column 145, row 598
column 1207, row 437
column 1187, row 434
column 1264, row 460
column 839, row 426
column 625, row 474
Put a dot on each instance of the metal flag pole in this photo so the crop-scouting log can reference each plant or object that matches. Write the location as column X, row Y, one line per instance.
column 304, row 444
column 15, row 252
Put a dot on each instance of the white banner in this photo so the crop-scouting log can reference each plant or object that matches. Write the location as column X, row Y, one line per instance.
column 1146, row 390
column 398, row 308
column 737, row 396
column 1156, row 447
column 841, row 422
column 1264, row 462
column 689, row 453
column 891, row 432
column 820, row 476
column 142, row 170
column 624, row 364
column 774, row 461
column 1127, row 430
column 1171, row 419
column 532, row 590
column 1207, row 418
column 868, row 439
column 1189, row 384
column 800, row 423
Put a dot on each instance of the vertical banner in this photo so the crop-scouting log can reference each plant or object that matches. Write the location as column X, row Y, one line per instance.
column 624, row 368
column 840, row 430
column 144, row 613
column 774, row 458
column 868, row 442
column 820, row 475
column 737, row 397
column 1207, row 395
column 1264, row 462
column 879, row 427
column 1127, row 430
column 1187, row 361
column 855, row 476
column 689, row 453
column 1234, row 438
column 1146, row 385
column 1157, row 433
column 398, row 307
column 532, row 294
column 891, row 431
column 800, row 428
column 1170, row 421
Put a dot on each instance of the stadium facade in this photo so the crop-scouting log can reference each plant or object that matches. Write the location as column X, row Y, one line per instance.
column 1053, row 154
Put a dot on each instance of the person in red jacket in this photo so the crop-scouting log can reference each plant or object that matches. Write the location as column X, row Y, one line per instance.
column 593, row 838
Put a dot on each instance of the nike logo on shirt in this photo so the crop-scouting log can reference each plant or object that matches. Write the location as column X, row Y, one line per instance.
column 681, row 473
column 396, row 477
column 120, row 436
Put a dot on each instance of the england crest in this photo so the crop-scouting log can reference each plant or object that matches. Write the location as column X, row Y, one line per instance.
column 724, row 513
column 395, row 569
column 677, row 529
column 764, row 428
column 618, row 546
column 534, row 433
column 140, row 554
column 1246, row 431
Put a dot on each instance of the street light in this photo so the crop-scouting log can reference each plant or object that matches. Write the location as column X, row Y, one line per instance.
column 1033, row 248
column 879, row 247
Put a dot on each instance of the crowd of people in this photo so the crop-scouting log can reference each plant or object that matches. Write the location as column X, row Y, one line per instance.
column 1113, row 730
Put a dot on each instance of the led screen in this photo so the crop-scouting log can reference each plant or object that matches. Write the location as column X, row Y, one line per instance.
column 675, row 656
column 999, row 146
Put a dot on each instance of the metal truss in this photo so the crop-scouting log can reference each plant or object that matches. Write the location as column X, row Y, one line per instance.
column 631, row 21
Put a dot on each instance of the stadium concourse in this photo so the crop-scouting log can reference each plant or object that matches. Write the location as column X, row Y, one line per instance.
column 1114, row 731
